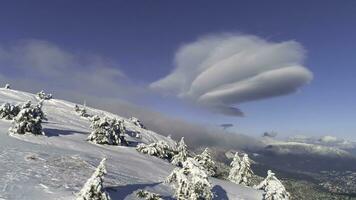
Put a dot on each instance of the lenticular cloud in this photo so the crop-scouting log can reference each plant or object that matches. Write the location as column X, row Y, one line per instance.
column 221, row 72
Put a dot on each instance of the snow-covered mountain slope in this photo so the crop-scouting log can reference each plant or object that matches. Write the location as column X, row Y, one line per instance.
column 298, row 148
column 56, row 166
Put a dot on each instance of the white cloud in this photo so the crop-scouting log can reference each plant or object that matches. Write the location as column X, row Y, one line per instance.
column 36, row 64
column 222, row 71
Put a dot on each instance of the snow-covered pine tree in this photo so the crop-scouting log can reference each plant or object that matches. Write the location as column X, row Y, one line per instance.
column 9, row 111
column 137, row 122
column 107, row 131
column 28, row 120
column 27, row 104
column 81, row 111
column 240, row 171
column 205, row 160
column 159, row 149
column 93, row 188
column 38, row 110
column 44, row 96
column 144, row 194
column 182, row 154
column 190, row 182
column 246, row 170
column 274, row 189
column 7, row 86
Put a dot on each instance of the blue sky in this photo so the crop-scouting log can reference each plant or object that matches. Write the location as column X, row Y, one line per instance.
column 140, row 39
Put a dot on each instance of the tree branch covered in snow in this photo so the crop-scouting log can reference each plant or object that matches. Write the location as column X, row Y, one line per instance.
column 93, row 188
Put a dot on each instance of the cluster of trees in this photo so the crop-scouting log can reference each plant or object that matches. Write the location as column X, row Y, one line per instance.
column 144, row 194
column 240, row 172
column 159, row 149
column 27, row 118
column 190, row 181
column 9, row 111
column 190, row 177
column 82, row 111
column 107, row 131
column 44, row 96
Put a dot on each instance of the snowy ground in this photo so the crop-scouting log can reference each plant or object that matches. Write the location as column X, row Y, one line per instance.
column 56, row 166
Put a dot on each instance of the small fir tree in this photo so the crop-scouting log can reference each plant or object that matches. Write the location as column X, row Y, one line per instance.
column 144, row 194
column 182, row 154
column 205, row 160
column 81, row 111
column 28, row 120
column 107, row 131
column 44, row 96
column 245, row 170
column 9, row 111
column 137, row 122
column 159, row 149
column 234, row 174
column 274, row 189
column 93, row 188
column 7, row 86
column 190, row 182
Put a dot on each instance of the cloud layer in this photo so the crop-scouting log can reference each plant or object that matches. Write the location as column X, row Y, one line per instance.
column 36, row 64
column 222, row 71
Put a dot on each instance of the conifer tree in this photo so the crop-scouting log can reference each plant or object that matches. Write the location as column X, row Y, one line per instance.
column 107, row 131
column 144, row 194
column 28, row 120
column 274, row 189
column 205, row 160
column 159, row 149
column 190, row 182
column 182, row 154
column 93, row 188
column 44, row 96
column 240, row 171
column 137, row 122
column 9, row 111
column 7, row 86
